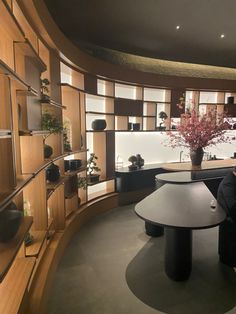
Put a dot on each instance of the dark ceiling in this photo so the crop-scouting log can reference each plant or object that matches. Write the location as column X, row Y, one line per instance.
column 148, row 28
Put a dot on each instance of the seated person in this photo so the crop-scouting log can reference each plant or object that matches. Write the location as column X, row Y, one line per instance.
column 226, row 195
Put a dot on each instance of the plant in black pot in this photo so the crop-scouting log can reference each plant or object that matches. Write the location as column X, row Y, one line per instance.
column 91, row 168
column 44, row 89
column 53, row 125
column 82, row 184
column 163, row 116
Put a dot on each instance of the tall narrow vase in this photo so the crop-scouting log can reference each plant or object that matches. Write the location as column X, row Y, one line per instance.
column 196, row 156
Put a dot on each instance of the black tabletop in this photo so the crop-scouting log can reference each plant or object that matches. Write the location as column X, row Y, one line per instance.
column 181, row 177
column 181, row 206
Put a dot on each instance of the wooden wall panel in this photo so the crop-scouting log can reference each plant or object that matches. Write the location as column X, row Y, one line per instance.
column 56, row 205
column 35, row 194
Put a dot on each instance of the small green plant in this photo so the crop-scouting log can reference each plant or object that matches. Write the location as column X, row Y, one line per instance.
column 44, row 86
column 92, row 165
column 51, row 124
column 82, row 183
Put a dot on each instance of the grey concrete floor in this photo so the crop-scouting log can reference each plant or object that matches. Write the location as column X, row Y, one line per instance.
column 112, row 267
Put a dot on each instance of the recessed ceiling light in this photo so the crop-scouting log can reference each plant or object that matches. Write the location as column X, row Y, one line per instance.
column 222, row 35
column 177, row 27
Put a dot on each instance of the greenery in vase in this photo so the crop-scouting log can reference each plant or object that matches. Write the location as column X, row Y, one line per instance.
column 92, row 165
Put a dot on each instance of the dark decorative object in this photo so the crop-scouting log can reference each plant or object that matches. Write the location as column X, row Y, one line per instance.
column 230, row 100
column 234, row 126
column 53, row 173
column 130, row 126
column 140, row 161
column 67, row 165
column 9, row 224
column 48, row 151
column 196, row 156
column 163, row 116
column 133, row 160
column 91, row 167
column 44, row 89
column 99, row 125
column 75, row 164
column 136, row 126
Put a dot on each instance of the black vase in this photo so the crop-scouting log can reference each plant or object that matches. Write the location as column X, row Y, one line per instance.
column 75, row 164
column 9, row 224
column 136, row 126
column 48, row 151
column 99, row 125
column 196, row 156
column 53, row 173
column 230, row 100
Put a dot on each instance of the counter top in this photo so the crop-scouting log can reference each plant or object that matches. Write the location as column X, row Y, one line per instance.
column 206, row 165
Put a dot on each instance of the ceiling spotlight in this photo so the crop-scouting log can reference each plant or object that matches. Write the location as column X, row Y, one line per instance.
column 222, row 35
column 177, row 27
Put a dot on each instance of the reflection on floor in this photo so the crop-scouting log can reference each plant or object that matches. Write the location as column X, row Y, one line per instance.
column 113, row 267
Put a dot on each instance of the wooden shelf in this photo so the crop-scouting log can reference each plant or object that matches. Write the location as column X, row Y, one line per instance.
column 52, row 186
column 21, row 86
column 14, row 286
column 100, row 181
column 32, row 132
column 38, row 240
column 5, row 133
column 29, row 51
column 10, row 22
column 9, row 250
column 99, row 113
column 74, row 172
column 52, row 103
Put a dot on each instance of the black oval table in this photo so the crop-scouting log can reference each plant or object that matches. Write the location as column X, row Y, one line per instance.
column 180, row 208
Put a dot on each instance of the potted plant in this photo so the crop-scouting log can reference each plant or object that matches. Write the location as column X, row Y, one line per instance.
column 44, row 89
column 91, row 167
column 53, row 125
column 197, row 131
column 82, row 184
column 163, row 116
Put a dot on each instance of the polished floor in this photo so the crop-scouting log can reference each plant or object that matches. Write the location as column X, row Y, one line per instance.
column 112, row 267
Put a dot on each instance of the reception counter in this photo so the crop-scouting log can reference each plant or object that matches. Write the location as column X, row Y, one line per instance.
column 133, row 186
column 206, row 165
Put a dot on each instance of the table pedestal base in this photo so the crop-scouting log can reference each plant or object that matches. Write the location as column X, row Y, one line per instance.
column 178, row 253
column 153, row 230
